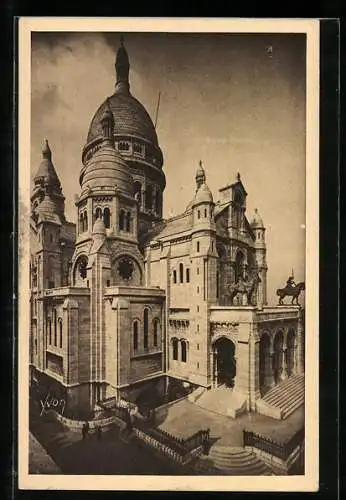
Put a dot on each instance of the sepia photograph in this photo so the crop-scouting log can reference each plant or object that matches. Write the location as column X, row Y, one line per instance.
column 168, row 181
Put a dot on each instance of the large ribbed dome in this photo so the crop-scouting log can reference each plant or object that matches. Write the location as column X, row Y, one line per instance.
column 130, row 118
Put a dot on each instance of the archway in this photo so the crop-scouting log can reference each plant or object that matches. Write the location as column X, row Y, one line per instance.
column 290, row 352
column 224, row 362
column 278, row 356
column 265, row 364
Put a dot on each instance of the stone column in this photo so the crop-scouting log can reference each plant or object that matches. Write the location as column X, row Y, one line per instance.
column 283, row 374
column 268, row 369
column 254, row 383
column 215, row 378
column 143, row 199
column 300, row 345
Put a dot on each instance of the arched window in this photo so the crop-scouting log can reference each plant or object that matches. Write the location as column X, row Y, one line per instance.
column 205, row 213
column 181, row 273
column 145, row 328
column 175, row 349
column 81, row 223
column 183, row 351
column 187, row 275
column 135, row 335
column 156, row 331
column 122, row 220
column 174, row 276
column 98, row 213
column 85, row 221
column 198, row 214
column 197, row 246
column 107, row 218
column 128, row 222
column 217, row 283
column 60, row 332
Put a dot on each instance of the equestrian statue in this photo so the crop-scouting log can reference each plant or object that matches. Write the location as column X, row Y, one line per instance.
column 244, row 286
column 291, row 290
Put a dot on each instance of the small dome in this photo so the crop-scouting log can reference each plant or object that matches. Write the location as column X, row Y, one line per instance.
column 107, row 168
column 99, row 228
column 257, row 221
column 203, row 195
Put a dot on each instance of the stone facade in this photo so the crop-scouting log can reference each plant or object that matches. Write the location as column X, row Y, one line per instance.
column 124, row 299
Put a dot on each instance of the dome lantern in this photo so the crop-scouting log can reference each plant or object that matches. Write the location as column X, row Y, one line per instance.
column 200, row 175
column 122, row 68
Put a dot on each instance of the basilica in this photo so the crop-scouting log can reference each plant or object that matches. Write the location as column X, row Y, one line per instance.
column 125, row 302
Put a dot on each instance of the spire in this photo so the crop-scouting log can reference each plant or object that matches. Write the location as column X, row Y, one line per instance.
column 46, row 151
column 200, row 175
column 122, row 68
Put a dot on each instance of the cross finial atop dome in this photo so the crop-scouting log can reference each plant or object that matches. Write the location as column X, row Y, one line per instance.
column 238, row 176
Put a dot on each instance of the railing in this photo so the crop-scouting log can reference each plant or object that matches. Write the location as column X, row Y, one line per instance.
column 162, row 440
column 268, row 445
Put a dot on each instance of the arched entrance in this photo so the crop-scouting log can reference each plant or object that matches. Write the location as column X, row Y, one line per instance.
column 224, row 362
column 290, row 352
column 278, row 356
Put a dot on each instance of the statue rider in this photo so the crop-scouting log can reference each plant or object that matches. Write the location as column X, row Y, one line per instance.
column 290, row 282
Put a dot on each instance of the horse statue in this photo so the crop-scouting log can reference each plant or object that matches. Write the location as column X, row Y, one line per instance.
column 290, row 291
column 244, row 287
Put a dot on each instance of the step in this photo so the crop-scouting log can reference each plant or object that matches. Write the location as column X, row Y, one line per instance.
column 287, row 384
column 287, row 398
column 277, row 389
column 282, row 389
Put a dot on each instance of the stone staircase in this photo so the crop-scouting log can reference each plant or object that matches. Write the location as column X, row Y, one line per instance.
column 283, row 399
column 222, row 400
column 232, row 461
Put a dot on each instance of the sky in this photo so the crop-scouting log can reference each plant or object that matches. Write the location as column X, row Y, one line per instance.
column 234, row 101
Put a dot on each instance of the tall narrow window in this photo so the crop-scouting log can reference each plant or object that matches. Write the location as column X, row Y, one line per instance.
column 157, row 202
column 149, row 197
column 181, row 273
column 122, row 220
column 198, row 214
column 128, row 222
column 138, row 192
column 175, row 349
column 174, row 276
column 145, row 328
column 197, row 246
column 98, row 213
column 135, row 335
column 183, row 351
column 187, row 275
column 55, row 329
column 156, row 328
column 205, row 212
column 81, row 223
column 50, row 332
column 60, row 332
column 107, row 218
column 217, row 284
